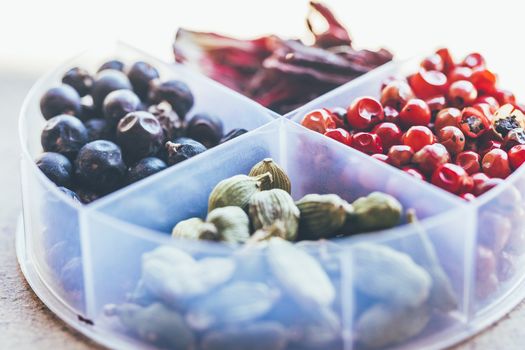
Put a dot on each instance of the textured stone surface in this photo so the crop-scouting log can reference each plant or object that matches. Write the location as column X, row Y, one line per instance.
column 25, row 323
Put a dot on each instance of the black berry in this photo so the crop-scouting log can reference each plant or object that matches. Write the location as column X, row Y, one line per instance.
column 176, row 93
column 140, row 75
column 56, row 167
column 87, row 196
column 205, row 129
column 64, row 134
column 144, row 168
column 100, row 167
column 170, row 122
column 118, row 103
column 107, row 81
column 183, row 148
column 100, row 129
column 79, row 79
column 140, row 135
column 113, row 64
column 62, row 99
column 87, row 110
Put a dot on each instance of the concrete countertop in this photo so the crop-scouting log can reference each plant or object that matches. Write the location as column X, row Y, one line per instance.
column 26, row 323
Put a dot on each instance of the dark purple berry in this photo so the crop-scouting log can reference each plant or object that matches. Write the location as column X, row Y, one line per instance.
column 87, row 196
column 233, row 134
column 113, row 64
column 118, row 103
column 107, row 81
column 140, row 135
column 79, row 79
column 64, row 134
column 170, row 122
column 183, row 148
column 140, row 75
column 144, row 168
column 56, row 167
column 62, row 99
column 100, row 129
column 100, row 167
column 176, row 93
column 205, row 129
column 87, row 110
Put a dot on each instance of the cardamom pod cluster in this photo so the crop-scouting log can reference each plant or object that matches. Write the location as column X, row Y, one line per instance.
column 253, row 208
column 280, row 179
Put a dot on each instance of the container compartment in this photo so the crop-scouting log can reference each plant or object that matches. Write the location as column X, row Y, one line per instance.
column 314, row 164
column 52, row 221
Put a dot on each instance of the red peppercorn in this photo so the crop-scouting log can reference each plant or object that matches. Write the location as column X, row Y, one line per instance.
column 436, row 104
column 399, row 155
column 433, row 62
column 396, row 94
column 449, row 177
column 516, row 156
column 391, row 115
column 364, row 113
column 468, row 185
column 504, row 97
column 389, row 133
column 318, row 120
column 496, row 164
column 514, row 137
column 490, row 100
column 426, row 84
column 488, row 185
column 479, row 181
column 446, row 57
column 380, row 156
column 339, row 116
column 484, row 80
column 430, row 157
column 469, row 197
column 462, row 93
column 447, row 117
column 415, row 112
column 418, row 137
column 414, row 172
column 340, row 135
column 459, row 73
column 452, row 138
column 469, row 161
column 473, row 60
column 367, row 143
column 474, row 122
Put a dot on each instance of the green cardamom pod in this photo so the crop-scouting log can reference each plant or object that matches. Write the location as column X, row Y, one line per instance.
column 266, row 207
column 236, row 191
column 280, row 179
column 195, row 228
column 232, row 224
column 322, row 215
column 376, row 211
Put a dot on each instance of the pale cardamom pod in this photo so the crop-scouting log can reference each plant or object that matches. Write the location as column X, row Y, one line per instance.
column 266, row 207
column 277, row 229
column 232, row 224
column 189, row 229
column 209, row 232
column 385, row 325
column 280, row 179
column 376, row 211
column 236, row 191
column 322, row 215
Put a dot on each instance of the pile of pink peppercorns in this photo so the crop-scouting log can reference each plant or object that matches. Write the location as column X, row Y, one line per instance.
column 449, row 123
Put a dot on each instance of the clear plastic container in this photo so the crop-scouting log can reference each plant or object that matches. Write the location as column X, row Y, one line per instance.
column 88, row 263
